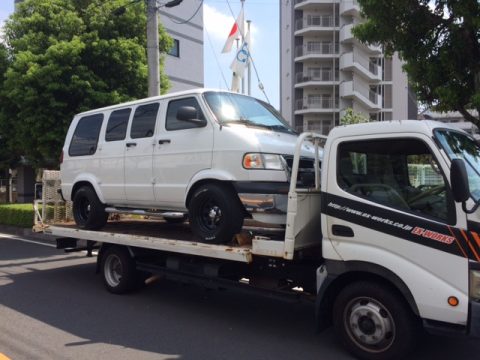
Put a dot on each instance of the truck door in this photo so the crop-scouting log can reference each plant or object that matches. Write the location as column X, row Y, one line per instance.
column 182, row 149
column 138, row 155
column 388, row 205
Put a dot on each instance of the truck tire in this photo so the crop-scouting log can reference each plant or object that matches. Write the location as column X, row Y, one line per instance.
column 215, row 213
column 118, row 270
column 374, row 322
column 88, row 212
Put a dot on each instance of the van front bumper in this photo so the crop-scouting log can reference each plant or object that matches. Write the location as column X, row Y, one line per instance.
column 263, row 197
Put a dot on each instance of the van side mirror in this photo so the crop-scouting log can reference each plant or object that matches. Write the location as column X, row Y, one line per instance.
column 459, row 180
column 190, row 114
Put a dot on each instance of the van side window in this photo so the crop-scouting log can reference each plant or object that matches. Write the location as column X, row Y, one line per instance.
column 401, row 173
column 117, row 125
column 143, row 124
column 172, row 123
column 85, row 137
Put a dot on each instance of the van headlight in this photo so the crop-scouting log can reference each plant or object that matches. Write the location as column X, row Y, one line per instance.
column 475, row 285
column 259, row 161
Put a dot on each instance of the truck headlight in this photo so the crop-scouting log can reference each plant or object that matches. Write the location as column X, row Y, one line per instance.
column 259, row 161
column 475, row 285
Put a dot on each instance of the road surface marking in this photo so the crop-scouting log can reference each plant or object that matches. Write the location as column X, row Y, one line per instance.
column 27, row 241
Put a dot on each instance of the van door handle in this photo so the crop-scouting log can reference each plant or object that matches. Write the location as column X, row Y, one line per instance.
column 341, row 230
column 131, row 144
column 164, row 141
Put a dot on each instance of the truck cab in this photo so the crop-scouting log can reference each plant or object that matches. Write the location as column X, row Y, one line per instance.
column 398, row 213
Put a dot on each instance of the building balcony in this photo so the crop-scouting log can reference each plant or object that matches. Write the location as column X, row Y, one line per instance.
column 311, row 25
column 357, row 91
column 361, row 65
column 346, row 37
column 350, row 8
column 316, row 51
column 314, row 105
column 322, row 77
column 312, row 4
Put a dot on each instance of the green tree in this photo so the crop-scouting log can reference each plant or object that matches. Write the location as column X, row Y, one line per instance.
column 67, row 56
column 352, row 117
column 438, row 40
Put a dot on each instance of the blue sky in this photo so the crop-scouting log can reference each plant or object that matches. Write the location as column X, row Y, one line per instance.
column 218, row 21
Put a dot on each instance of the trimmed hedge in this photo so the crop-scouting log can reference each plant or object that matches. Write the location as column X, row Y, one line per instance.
column 17, row 215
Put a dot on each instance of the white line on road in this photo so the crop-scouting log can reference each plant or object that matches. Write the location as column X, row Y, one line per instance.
column 25, row 240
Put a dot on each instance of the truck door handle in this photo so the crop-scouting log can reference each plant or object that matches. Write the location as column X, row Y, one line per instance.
column 164, row 141
column 341, row 230
column 131, row 144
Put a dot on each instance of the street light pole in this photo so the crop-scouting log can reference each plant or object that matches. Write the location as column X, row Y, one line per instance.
column 153, row 49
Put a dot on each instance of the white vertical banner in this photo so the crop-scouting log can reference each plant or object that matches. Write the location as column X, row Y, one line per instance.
column 242, row 57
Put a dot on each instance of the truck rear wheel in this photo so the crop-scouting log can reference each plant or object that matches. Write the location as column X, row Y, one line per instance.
column 88, row 211
column 373, row 322
column 215, row 213
column 118, row 270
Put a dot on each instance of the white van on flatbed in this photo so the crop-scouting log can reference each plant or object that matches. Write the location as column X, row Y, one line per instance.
column 214, row 155
column 385, row 241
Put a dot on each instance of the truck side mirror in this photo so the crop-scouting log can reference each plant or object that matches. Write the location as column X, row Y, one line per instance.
column 190, row 114
column 459, row 180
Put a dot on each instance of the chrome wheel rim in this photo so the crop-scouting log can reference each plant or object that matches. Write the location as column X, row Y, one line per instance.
column 113, row 270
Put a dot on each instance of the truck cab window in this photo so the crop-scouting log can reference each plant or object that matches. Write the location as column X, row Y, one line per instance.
column 401, row 173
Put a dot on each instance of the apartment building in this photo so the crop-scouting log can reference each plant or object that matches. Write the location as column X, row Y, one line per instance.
column 184, row 62
column 325, row 69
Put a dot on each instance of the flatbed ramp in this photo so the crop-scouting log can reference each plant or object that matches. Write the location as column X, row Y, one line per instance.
column 184, row 246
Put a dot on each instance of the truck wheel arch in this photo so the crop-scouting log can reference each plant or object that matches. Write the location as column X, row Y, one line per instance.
column 342, row 273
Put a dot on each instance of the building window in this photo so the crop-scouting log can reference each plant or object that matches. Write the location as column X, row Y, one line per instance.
column 175, row 50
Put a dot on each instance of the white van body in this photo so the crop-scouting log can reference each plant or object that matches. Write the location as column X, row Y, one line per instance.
column 160, row 169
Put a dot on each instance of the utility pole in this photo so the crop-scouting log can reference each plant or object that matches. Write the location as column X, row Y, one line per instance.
column 153, row 49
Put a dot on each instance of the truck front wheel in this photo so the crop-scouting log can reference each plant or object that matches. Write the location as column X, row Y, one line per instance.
column 215, row 213
column 374, row 322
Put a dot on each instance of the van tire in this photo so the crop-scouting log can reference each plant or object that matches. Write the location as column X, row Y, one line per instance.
column 88, row 212
column 215, row 213
column 374, row 322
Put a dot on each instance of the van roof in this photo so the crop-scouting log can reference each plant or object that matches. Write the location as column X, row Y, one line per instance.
column 149, row 99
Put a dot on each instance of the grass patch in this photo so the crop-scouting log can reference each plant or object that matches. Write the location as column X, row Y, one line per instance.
column 17, row 215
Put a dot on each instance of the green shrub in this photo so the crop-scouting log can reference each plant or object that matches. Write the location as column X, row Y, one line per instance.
column 16, row 215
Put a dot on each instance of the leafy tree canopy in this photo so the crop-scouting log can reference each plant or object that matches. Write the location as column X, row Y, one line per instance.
column 353, row 117
column 64, row 57
column 438, row 40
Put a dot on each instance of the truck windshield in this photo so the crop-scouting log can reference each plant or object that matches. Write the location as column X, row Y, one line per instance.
column 461, row 146
column 239, row 109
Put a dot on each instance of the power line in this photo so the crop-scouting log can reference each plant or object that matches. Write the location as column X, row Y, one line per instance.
column 189, row 19
column 216, row 58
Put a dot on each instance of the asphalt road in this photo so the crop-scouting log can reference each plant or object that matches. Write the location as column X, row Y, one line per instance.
column 54, row 306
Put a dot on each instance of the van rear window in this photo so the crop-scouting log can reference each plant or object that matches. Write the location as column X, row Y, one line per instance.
column 85, row 137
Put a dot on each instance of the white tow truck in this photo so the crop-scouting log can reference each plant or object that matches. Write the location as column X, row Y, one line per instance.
column 385, row 242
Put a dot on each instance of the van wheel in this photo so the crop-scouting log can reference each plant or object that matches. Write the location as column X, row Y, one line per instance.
column 215, row 213
column 88, row 212
column 373, row 322
column 118, row 270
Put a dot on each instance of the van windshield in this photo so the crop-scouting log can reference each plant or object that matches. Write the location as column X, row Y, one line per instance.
column 239, row 109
